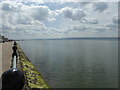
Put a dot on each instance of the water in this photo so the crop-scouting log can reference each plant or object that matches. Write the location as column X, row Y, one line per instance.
column 75, row 63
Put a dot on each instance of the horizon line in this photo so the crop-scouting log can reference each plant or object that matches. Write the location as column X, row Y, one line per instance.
column 71, row 38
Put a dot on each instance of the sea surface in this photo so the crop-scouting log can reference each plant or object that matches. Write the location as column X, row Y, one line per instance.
column 75, row 63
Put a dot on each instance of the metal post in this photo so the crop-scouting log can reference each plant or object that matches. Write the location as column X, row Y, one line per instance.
column 14, row 62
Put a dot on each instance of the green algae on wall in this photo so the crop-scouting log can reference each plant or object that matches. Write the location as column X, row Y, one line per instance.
column 32, row 76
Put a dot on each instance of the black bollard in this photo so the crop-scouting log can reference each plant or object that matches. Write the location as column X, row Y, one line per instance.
column 13, row 79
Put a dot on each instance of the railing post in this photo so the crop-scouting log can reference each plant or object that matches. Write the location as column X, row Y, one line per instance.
column 14, row 62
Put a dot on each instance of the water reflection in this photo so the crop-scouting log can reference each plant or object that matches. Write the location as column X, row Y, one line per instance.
column 75, row 63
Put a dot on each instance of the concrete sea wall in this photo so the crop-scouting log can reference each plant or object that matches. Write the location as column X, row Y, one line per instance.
column 33, row 77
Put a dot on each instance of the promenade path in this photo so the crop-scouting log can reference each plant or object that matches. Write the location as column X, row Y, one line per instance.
column 5, row 56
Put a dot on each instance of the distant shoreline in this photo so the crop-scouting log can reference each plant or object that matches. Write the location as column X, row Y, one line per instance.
column 82, row 38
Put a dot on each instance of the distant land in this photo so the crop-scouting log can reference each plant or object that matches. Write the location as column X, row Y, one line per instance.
column 68, row 38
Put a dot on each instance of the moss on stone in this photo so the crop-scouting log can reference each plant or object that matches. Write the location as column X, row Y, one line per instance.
column 33, row 77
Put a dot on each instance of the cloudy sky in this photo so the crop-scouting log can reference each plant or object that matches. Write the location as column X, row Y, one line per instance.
column 30, row 19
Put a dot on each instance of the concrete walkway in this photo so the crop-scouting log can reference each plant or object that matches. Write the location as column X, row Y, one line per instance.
column 5, row 56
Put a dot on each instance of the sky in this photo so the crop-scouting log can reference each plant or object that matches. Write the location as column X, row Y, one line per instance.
column 33, row 19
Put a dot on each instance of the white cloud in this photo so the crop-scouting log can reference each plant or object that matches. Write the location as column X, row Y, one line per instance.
column 63, row 1
column 77, row 14
column 35, row 21
column 22, row 11
column 17, row 15
column 18, row 19
column 41, row 13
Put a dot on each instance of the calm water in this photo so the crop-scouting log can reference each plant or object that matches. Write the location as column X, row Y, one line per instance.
column 75, row 63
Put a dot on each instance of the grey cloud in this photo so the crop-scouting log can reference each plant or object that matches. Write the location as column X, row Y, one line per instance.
column 11, row 6
column 40, row 13
column 53, row 31
column 74, row 14
column 78, row 14
column 116, row 19
column 107, row 27
column 17, row 18
column 81, row 4
column 100, row 30
column 20, row 19
column 91, row 20
column 94, row 21
column 80, row 28
column 84, row 3
column 5, row 27
column 100, row 6
column 112, row 27
column 15, row 13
